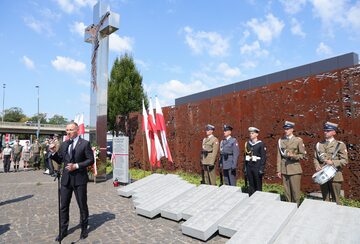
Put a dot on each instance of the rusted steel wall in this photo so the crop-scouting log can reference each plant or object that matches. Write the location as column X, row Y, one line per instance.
column 309, row 102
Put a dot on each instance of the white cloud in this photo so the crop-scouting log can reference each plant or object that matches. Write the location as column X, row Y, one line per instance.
column 293, row 6
column 142, row 63
column 78, row 27
column 28, row 62
column 211, row 42
column 120, row 44
column 38, row 26
column 228, row 71
column 174, row 89
column 268, row 29
column 296, row 28
column 49, row 14
column 353, row 16
column 248, row 64
column 68, row 64
column 254, row 49
column 323, row 49
column 338, row 14
column 70, row 6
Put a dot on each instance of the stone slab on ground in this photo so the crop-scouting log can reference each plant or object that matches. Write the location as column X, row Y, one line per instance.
column 322, row 222
column 163, row 184
column 161, row 192
column 233, row 221
column 205, row 223
column 263, row 225
column 152, row 207
column 173, row 209
column 154, row 185
column 128, row 190
column 209, row 200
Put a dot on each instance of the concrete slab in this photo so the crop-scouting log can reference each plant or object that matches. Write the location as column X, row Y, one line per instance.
column 205, row 223
column 209, row 200
column 154, row 184
column 156, row 188
column 153, row 195
column 127, row 191
column 152, row 207
column 173, row 209
column 322, row 222
column 263, row 224
column 256, row 203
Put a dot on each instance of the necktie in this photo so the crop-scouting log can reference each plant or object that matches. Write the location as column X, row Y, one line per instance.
column 71, row 151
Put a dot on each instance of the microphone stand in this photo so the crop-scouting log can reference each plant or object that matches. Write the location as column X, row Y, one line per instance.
column 57, row 175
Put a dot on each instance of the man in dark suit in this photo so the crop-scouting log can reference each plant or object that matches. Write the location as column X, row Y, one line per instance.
column 76, row 154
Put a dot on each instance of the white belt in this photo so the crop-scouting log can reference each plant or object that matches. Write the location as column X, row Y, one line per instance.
column 252, row 158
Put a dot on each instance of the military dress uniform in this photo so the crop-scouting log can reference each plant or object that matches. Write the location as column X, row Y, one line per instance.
column 289, row 166
column 35, row 151
column 229, row 152
column 17, row 149
column 335, row 151
column 254, row 163
column 57, row 147
column 210, row 148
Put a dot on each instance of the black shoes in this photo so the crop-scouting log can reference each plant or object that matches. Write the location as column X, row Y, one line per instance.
column 83, row 234
column 61, row 236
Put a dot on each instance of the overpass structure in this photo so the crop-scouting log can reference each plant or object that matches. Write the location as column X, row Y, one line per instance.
column 23, row 128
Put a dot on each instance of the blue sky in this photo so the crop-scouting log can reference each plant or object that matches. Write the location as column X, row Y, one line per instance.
column 179, row 46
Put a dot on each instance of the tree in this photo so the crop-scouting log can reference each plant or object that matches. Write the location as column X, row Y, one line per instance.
column 14, row 114
column 58, row 120
column 125, row 91
column 42, row 116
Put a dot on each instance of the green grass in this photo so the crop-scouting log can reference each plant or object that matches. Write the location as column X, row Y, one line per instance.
column 137, row 174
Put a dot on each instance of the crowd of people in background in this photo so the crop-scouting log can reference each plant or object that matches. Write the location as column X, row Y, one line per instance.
column 31, row 154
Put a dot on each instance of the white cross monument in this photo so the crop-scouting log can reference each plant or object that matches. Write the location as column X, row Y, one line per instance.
column 105, row 23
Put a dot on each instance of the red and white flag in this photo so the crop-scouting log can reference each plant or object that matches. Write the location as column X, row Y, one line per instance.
column 156, row 149
column 81, row 124
column 160, row 122
column 145, row 128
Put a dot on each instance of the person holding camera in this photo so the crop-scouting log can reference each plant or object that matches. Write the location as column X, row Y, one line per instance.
column 76, row 155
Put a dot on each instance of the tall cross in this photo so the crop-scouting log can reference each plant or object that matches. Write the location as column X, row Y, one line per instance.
column 105, row 22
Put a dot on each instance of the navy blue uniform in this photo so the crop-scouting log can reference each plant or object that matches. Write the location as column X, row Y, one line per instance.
column 229, row 152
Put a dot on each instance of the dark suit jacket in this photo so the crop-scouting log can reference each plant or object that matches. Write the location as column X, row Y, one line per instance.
column 83, row 156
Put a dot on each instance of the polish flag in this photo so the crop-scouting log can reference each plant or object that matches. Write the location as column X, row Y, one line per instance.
column 161, row 126
column 81, row 124
column 145, row 128
column 156, row 149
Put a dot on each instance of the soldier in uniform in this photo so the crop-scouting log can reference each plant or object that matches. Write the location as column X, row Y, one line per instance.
column 334, row 153
column 35, row 154
column 210, row 148
column 254, row 160
column 229, row 154
column 291, row 150
column 56, row 142
column 17, row 149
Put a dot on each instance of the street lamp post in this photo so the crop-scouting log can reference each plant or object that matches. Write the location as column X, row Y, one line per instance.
column 38, row 109
column 3, row 113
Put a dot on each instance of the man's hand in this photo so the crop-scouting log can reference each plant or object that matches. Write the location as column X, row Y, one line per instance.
column 279, row 175
column 52, row 148
column 70, row 167
column 318, row 168
column 328, row 161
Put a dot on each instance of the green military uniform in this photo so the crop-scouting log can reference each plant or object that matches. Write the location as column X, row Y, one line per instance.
column 17, row 149
column 210, row 148
column 35, row 151
column 57, row 146
column 336, row 152
column 290, row 167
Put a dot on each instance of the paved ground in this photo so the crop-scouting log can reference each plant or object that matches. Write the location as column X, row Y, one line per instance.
column 29, row 214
